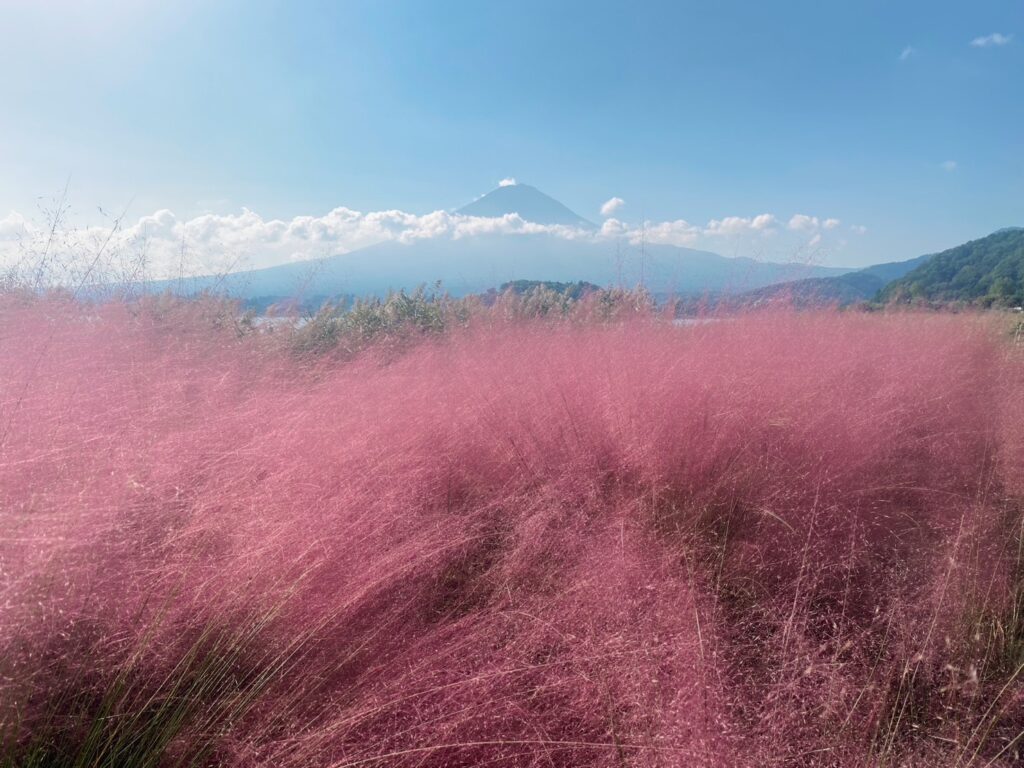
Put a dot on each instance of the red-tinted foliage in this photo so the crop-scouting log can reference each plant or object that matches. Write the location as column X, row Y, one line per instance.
column 776, row 539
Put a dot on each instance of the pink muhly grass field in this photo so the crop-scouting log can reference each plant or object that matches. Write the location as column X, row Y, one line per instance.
column 779, row 539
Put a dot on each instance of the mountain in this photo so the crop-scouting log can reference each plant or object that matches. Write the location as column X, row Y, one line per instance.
column 849, row 288
column 988, row 272
column 475, row 264
column 529, row 202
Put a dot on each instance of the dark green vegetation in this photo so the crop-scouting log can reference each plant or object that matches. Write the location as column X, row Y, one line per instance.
column 988, row 272
column 576, row 290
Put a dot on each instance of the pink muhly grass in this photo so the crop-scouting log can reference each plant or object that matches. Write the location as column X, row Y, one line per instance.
column 777, row 539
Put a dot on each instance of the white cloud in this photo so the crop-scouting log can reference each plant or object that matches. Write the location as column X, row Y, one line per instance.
column 802, row 223
column 217, row 242
column 678, row 232
column 948, row 165
column 737, row 225
column 509, row 182
column 907, row 53
column 986, row 41
column 611, row 206
column 682, row 232
column 812, row 225
column 858, row 229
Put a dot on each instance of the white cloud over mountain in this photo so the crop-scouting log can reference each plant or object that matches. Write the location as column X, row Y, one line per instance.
column 737, row 225
column 164, row 244
column 679, row 232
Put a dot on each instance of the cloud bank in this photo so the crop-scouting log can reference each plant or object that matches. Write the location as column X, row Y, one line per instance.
column 162, row 244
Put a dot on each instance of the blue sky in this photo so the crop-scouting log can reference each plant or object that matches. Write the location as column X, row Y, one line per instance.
column 882, row 115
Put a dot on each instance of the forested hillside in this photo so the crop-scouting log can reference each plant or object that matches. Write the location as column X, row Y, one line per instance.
column 988, row 272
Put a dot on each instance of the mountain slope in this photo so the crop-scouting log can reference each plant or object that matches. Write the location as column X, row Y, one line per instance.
column 475, row 264
column 988, row 271
column 849, row 288
column 529, row 202
column 894, row 270
column 840, row 289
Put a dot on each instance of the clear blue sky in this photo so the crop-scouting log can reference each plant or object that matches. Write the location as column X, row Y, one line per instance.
column 876, row 112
